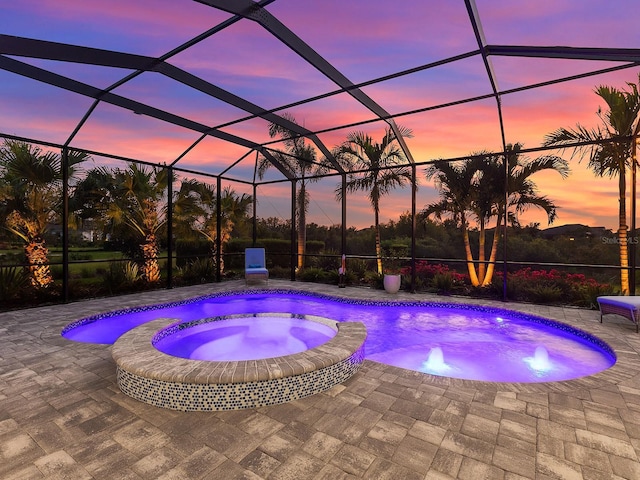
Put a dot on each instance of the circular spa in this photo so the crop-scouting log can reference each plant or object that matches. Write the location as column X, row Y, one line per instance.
column 234, row 362
column 451, row 340
column 242, row 337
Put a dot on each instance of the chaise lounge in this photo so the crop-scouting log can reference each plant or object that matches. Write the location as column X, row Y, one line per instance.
column 255, row 265
column 625, row 306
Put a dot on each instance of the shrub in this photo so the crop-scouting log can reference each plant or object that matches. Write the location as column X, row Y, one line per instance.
column 314, row 247
column 357, row 267
column 515, row 286
column 279, row 272
column 131, row 273
column 443, row 282
column 79, row 289
column 430, row 275
column 588, row 293
column 313, row 275
column 374, row 280
column 56, row 272
column 349, row 279
column 551, row 286
column 544, row 293
column 86, row 272
column 121, row 276
column 13, row 280
column 330, row 260
column 188, row 250
column 199, row 270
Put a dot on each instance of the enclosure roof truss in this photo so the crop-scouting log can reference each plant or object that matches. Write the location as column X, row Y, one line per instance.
column 14, row 48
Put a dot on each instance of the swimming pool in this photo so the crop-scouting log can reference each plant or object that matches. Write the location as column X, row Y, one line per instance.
column 452, row 340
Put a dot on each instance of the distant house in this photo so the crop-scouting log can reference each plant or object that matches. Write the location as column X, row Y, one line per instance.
column 575, row 230
column 86, row 233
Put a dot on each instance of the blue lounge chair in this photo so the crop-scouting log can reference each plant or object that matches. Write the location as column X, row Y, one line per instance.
column 255, row 266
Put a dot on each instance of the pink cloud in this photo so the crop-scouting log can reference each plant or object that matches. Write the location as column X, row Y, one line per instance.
column 364, row 43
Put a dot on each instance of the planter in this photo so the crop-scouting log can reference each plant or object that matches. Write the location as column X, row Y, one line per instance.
column 392, row 283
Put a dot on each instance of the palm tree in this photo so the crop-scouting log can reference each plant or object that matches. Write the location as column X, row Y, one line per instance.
column 138, row 204
column 235, row 209
column 195, row 211
column 376, row 168
column 456, row 184
column 31, row 198
column 475, row 189
column 133, row 197
column 619, row 125
column 300, row 159
column 521, row 191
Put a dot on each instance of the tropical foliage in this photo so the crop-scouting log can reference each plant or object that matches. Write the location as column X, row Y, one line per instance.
column 553, row 286
column 195, row 211
column 438, row 276
column 611, row 155
column 474, row 190
column 134, row 197
column 30, row 199
column 299, row 158
column 376, row 168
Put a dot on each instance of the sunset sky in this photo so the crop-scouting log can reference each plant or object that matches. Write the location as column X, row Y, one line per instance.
column 364, row 41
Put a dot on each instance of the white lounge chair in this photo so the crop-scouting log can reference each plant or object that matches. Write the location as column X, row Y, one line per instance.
column 625, row 306
column 255, row 265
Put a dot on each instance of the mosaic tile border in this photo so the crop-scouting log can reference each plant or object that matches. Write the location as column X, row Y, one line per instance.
column 461, row 306
column 148, row 375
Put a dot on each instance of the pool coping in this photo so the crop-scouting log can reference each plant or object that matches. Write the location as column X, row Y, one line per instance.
column 149, row 375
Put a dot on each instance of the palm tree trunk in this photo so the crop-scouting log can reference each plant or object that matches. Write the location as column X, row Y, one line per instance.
column 622, row 232
column 302, row 225
column 494, row 250
column 376, row 223
column 150, row 267
column 37, row 257
column 482, row 266
column 624, row 260
column 35, row 251
column 473, row 277
column 225, row 235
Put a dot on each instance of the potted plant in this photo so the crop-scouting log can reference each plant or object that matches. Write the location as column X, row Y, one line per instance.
column 391, row 268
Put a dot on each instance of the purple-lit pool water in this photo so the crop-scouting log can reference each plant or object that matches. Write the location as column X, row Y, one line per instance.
column 244, row 338
column 460, row 341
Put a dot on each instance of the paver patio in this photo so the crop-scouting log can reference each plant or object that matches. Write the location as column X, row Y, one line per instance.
column 63, row 416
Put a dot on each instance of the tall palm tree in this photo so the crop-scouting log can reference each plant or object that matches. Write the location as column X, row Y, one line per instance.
column 456, row 183
column 618, row 126
column 522, row 192
column 193, row 202
column 300, row 159
column 475, row 189
column 376, row 168
column 31, row 198
column 134, row 197
column 235, row 210
column 139, row 204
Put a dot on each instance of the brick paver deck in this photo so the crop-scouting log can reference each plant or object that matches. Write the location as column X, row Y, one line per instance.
column 63, row 416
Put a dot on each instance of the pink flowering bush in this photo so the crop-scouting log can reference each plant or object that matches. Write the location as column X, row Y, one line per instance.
column 552, row 286
column 437, row 276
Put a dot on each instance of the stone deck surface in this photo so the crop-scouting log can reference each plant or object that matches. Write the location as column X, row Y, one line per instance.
column 63, row 416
